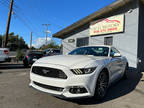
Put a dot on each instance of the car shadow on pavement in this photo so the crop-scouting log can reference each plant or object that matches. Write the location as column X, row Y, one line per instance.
column 117, row 90
column 12, row 66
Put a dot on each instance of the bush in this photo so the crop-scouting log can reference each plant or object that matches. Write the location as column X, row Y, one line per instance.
column 20, row 55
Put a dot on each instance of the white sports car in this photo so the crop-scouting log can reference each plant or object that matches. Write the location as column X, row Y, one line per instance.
column 84, row 72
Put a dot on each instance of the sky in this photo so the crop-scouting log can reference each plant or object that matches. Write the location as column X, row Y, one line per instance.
column 29, row 15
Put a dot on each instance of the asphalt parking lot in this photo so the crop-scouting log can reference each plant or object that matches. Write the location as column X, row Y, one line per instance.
column 15, row 92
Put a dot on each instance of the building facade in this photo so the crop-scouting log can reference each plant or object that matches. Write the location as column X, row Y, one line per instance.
column 119, row 24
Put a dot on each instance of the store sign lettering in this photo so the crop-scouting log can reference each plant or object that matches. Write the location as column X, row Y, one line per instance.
column 109, row 25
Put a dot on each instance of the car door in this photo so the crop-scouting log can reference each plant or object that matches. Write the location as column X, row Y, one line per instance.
column 115, row 65
column 0, row 55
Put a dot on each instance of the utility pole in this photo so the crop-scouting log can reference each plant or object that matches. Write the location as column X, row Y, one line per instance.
column 31, row 41
column 47, row 32
column 8, row 23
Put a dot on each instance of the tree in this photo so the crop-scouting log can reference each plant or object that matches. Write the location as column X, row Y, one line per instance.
column 15, row 42
column 1, row 40
column 50, row 45
column 33, row 48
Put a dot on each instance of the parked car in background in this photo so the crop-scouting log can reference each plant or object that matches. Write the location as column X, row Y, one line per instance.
column 32, row 56
column 52, row 52
column 4, row 55
column 84, row 72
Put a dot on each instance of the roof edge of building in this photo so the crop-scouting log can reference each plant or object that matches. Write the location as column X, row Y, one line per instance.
column 115, row 5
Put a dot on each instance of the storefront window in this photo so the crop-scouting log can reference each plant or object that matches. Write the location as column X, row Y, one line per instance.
column 108, row 41
column 82, row 42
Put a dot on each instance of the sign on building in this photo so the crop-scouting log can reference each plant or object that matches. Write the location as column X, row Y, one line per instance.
column 114, row 24
column 71, row 40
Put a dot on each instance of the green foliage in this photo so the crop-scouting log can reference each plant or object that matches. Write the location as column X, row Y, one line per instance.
column 20, row 55
column 50, row 45
column 15, row 42
column 1, row 40
column 33, row 48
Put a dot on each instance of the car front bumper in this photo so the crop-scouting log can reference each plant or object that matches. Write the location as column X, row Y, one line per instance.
column 63, row 87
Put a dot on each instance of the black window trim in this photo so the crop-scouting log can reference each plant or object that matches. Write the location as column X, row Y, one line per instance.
column 82, row 38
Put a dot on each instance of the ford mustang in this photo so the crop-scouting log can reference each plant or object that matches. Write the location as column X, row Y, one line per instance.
column 85, row 72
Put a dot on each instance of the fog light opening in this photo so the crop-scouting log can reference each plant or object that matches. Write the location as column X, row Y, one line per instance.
column 77, row 90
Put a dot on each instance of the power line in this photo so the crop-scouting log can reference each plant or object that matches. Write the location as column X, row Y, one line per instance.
column 25, row 18
column 15, row 6
column 6, row 4
column 15, row 13
column 23, row 21
column 47, row 32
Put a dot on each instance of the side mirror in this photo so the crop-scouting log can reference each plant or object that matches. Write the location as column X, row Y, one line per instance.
column 116, row 55
column 66, row 53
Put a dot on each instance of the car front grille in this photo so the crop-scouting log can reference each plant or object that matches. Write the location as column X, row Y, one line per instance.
column 49, row 72
column 49, row 87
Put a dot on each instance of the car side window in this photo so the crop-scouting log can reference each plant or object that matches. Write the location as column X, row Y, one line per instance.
column 113, row 51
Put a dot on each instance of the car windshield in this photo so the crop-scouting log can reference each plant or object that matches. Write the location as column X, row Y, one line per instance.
column 95, row 51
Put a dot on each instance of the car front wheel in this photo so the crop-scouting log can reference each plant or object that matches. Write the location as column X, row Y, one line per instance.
column 101, row 85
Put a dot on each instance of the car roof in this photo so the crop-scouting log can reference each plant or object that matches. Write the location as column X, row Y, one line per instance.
column 51, row 49
column 97, row 46
column 35, row 52
column 4, row 48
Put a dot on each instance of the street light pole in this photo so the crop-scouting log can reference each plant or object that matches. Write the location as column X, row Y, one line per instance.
column 8, row 23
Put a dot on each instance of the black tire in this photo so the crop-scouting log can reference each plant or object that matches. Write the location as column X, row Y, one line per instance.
column 101, row 85
column 9, row 59
column 26, row 65
column 125, row 72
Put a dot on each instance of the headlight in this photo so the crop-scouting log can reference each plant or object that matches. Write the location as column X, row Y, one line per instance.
column 83, row 70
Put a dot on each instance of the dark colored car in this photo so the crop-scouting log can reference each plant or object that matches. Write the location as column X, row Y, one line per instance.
column 32, row 56
column 51, row 52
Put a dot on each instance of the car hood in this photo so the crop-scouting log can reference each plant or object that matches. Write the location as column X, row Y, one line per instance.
column 70, row 60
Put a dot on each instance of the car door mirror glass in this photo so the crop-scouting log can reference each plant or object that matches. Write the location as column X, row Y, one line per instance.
column 116, row 55
column 66, row 54
column 112, row 54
